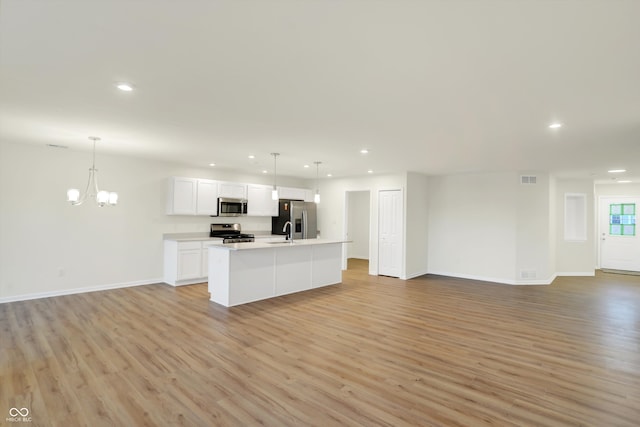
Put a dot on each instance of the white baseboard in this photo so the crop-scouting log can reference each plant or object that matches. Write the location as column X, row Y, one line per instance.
column 418, row 274
column 577, row 273
column 38, row 295
column 536, row 282
column 494, row 279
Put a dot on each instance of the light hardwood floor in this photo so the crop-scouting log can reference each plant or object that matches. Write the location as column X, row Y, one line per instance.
column 371, row 351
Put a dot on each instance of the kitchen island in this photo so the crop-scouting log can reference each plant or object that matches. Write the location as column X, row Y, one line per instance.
column 245, row 272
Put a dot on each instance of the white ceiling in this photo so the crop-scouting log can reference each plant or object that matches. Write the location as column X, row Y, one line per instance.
column 428, row 86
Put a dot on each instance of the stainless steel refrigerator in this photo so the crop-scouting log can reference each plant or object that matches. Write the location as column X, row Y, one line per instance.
column 302, row 216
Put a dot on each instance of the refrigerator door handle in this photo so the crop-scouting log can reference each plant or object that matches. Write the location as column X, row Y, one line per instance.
column 304, row 224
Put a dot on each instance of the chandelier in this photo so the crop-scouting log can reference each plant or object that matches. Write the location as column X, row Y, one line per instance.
column 103, row 197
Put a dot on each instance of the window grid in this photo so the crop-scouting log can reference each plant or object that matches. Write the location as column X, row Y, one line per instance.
column 622, row 219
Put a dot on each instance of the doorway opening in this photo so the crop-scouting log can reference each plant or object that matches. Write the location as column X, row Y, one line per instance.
column 357, row 229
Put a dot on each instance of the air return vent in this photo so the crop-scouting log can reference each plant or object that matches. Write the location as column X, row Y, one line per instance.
column 528, row 179
column 528, row 274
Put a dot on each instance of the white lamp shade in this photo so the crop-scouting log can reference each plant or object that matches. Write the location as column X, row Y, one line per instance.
column 274, row 194
column 102, row 198
column 113, row 198
column 316, row 198
column 73, row 195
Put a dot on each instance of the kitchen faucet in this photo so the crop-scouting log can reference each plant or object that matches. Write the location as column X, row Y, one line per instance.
column 284, row 230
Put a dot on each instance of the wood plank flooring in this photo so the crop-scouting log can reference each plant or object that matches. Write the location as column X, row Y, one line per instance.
column 372, row 351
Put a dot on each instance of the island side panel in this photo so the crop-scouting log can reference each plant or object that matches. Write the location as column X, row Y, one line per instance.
column 251, row 275
column 327, row 265
column 219, row 275
column 293, row 269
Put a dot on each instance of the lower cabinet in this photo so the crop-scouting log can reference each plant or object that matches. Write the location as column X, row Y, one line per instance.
column 185, row 263
column 189, row 264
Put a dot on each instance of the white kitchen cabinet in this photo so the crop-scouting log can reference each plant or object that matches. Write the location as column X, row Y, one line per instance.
column 189, row 264
column 207, row 197
column 181, row 196
column 308, row 195
column 183, row 263
column 232, row 190
column 292, row 193
column 192, row 196
column 186, row 263
column 259, row 202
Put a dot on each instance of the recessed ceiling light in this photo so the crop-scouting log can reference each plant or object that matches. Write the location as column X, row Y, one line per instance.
column 306, row 166
column 212, row 164
column 251, row 156
column 626, row 181
column 264, row 171
column 617, row 170
column 364, row 151
column 329, row 175
column 370, row 171
column 125, row 87
column 555, row 125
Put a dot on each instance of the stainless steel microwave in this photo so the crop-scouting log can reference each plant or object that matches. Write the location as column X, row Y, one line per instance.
column 231, row 207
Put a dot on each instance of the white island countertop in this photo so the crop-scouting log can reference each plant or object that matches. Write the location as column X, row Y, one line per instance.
column 278, row 244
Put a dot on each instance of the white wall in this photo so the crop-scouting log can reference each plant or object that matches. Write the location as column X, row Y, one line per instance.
column 49, row 246
column 629, row 189
column 533, row 222
column 358, row 224
column 417, row 225
column 511, row 233
column 575, row 258
column 472, row 226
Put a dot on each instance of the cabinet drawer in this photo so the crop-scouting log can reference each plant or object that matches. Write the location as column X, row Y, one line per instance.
column 186, row 246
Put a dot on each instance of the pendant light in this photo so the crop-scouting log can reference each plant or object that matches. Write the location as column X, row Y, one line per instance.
column 316, row 197
column 103, row 197
column 274, row 192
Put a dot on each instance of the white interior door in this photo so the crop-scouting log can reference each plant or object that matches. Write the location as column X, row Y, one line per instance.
column 619, row 242
column 390, row 238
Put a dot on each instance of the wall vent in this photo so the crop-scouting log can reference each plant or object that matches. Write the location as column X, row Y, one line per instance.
column 527, row 274
column 528, row 179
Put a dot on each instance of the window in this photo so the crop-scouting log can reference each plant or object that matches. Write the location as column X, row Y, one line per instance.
column 622, row 219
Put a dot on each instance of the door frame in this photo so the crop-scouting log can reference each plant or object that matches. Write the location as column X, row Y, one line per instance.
column 402, row 267
column 599, row 220
column 346, row 225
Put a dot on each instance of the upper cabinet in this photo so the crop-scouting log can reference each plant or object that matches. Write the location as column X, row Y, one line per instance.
column 259, row 202
column 232, row 190
column 308, row 195
column 207, row 197
column 192, row 196
column 195, row 196
column 181, row 196
column 295, row 194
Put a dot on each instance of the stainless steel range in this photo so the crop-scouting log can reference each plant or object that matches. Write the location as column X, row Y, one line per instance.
column 230, row 233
